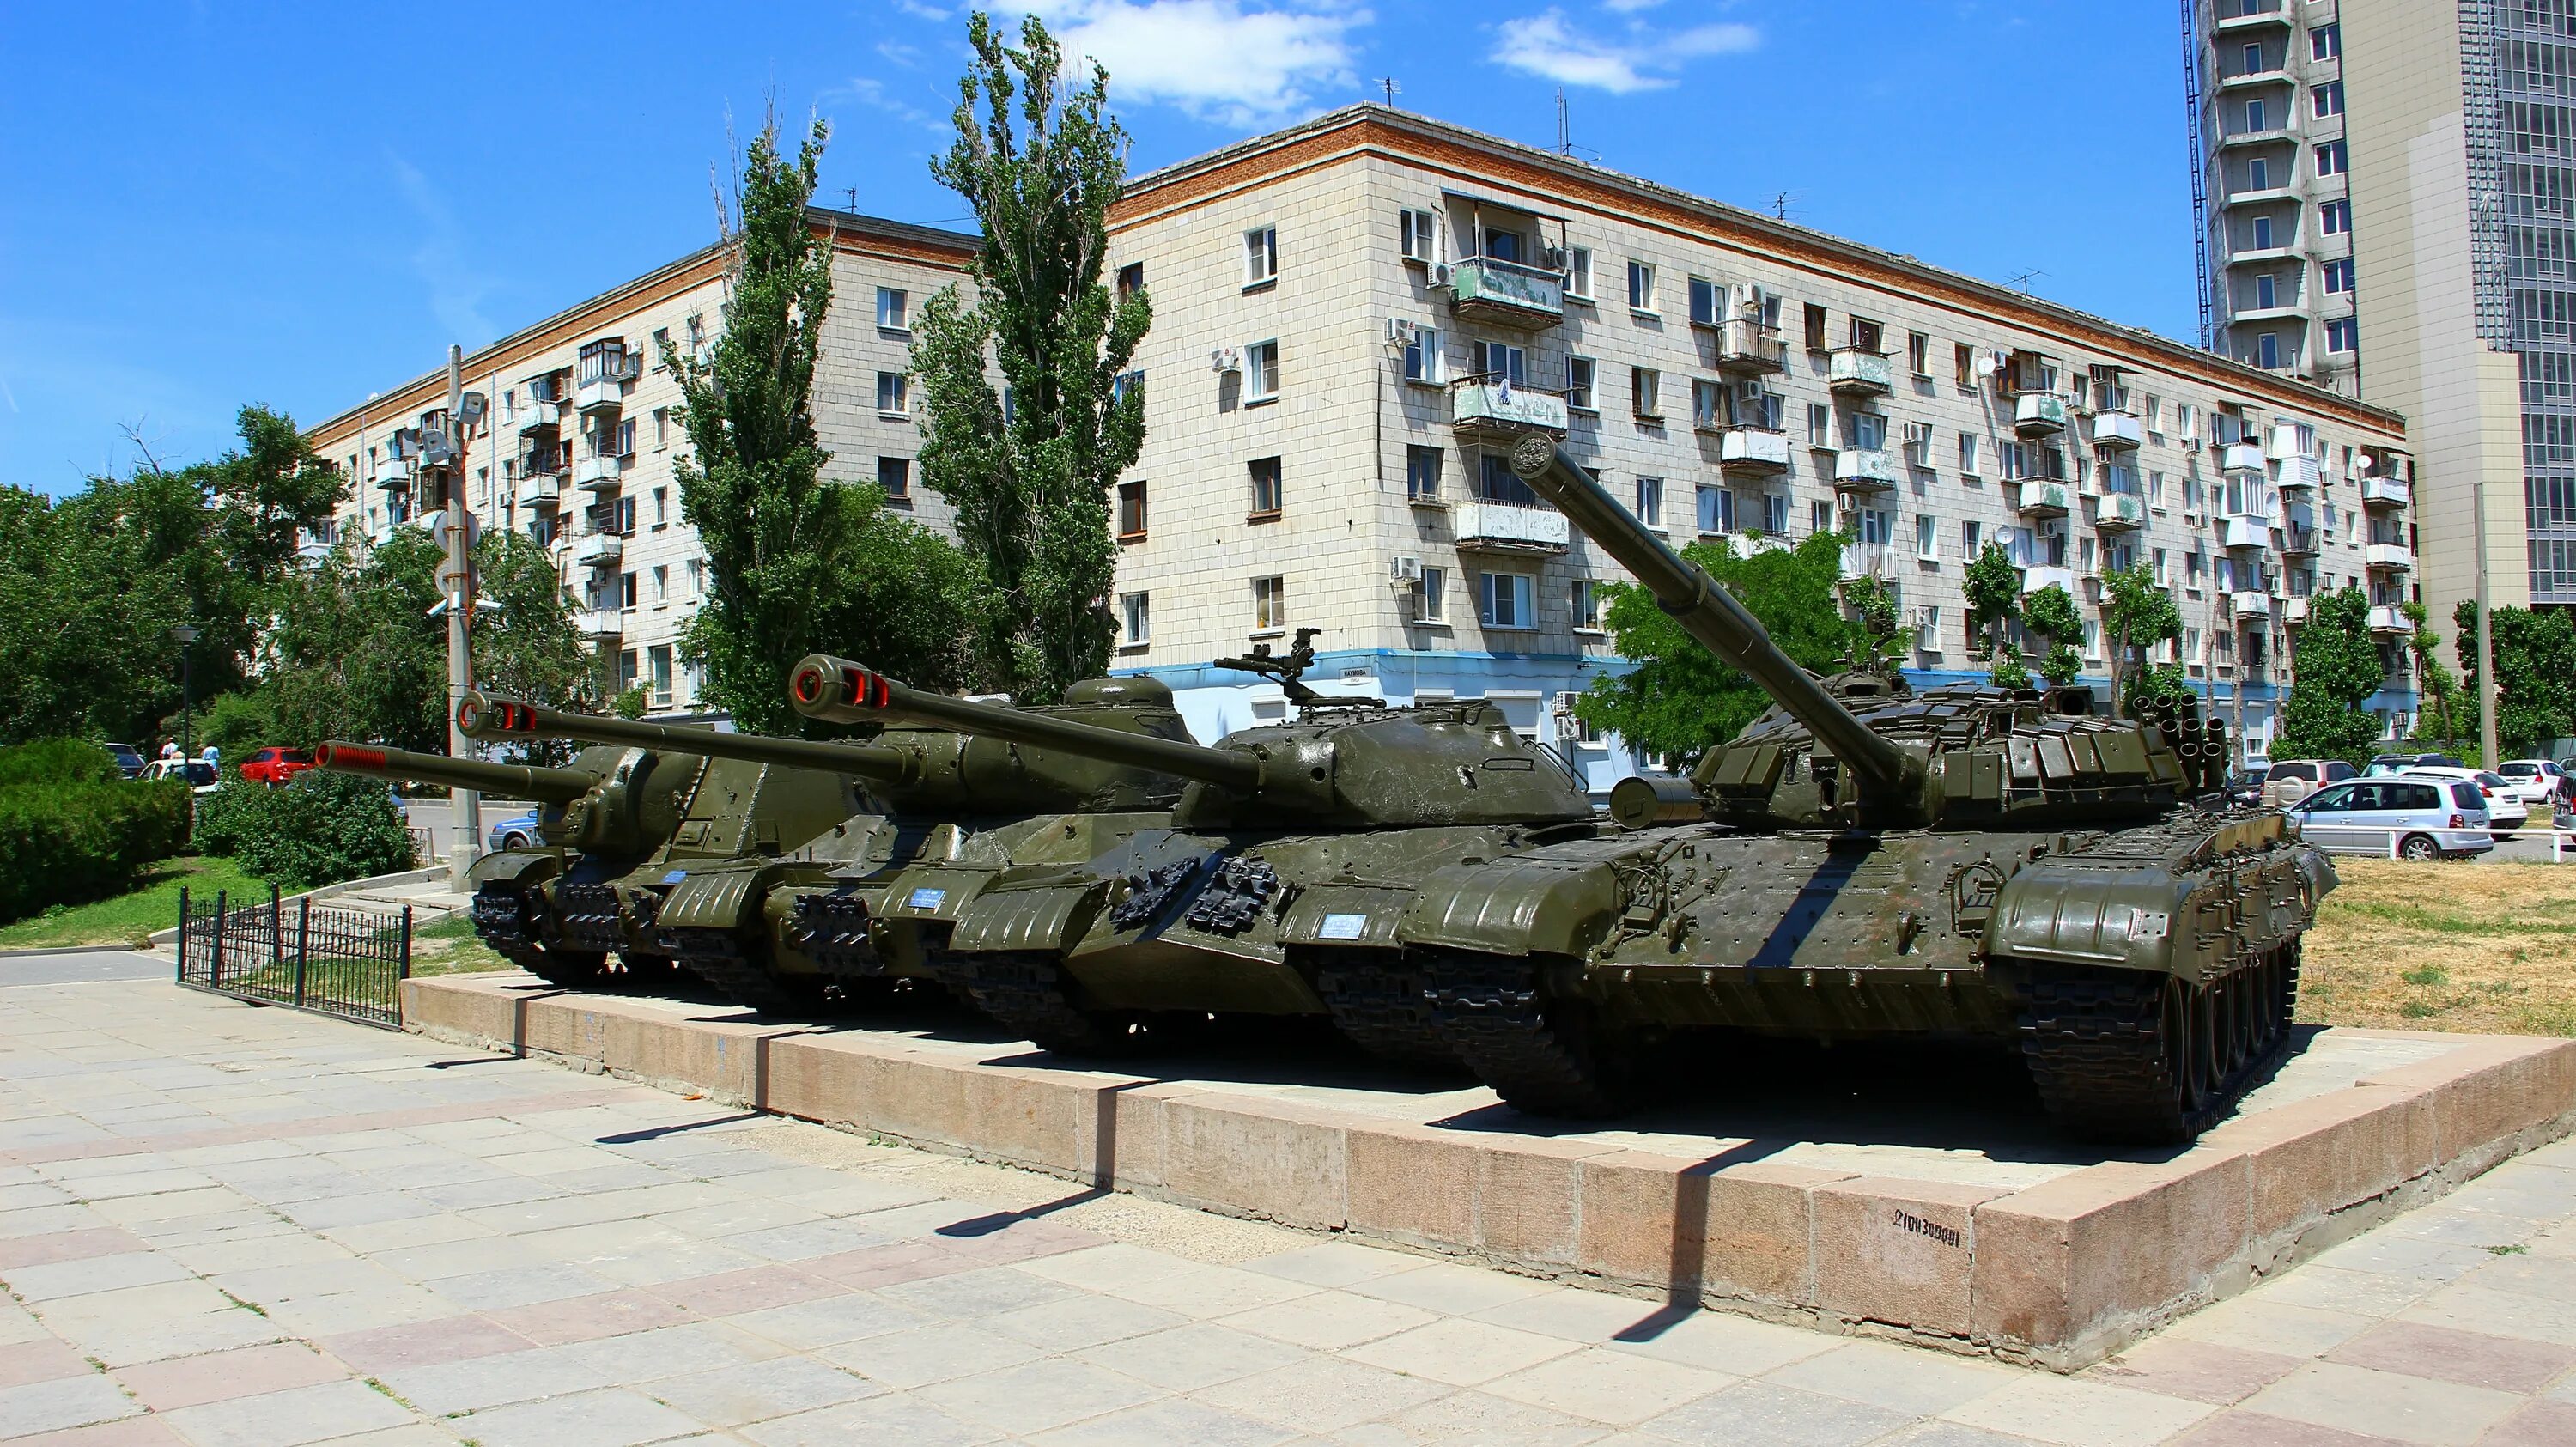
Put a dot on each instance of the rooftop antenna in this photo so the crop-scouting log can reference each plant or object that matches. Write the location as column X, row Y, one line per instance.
column 1564, row 126
column 1780, row 205
column 1388, row 82
column 853, row 193
column 2022, row 279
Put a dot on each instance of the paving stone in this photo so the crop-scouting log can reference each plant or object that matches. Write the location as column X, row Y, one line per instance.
column 1460, row 1353
column 1765, row 1414
column 498, row 1379
column 975, row 1295
column 42, row 1359
column 2297, row 1331
column 522, row 1286
column 125, row 1432
column 2463, row 1307
column 1917, row 1383
column 1722, row 1343
column 896, row 1418
column 909, row 1359
column 613, row 1418
column 1453, row 1289
column 63, row 1402
column 2387, row 1404
column 2471, row 1358
column 2078, row 1413
column 1212, row 1291
column 757, row 1391
column 2541, row 1423
column 2361, row 1293
column 1330, row 1320
column 1951, row 1434
column 1167, row 1423
column 2253, row 1429
column 1193, row 1355
column 733, row 1292
column 588, row 1318
column 54, row 1246
column 1620, row 1388
column 1321, row 1393
column 1082, row 1321
column 1035, row 1396
column 423, row 1344
column 2200, row 1371
column 221, row 1376
column 290, row 1418
column 1336, row 1263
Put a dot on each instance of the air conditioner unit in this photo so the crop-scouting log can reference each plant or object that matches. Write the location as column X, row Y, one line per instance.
column 1749, row 392
column 1402, row 332
column 1406, row 572
column 1442, row 273
column 1555, row 258
column 1226, row 359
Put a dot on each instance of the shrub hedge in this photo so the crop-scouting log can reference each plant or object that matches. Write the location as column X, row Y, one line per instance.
column 71, row 841
column 57, row 761
column 320, row 829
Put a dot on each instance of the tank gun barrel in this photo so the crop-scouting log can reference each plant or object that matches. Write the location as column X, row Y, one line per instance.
column 841, row 691
column 524, row 781
column 482, row 716
column 1707, row 612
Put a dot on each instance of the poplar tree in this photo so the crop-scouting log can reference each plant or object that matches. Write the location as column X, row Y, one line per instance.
column 2138, row 613
column 2051, row 614
column 2334, row 669
column 1028, row 466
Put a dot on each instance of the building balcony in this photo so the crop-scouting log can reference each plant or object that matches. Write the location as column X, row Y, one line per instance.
column 2388, row 619
column 1748, row 348
column 2383, row 492
column 599, row 550
column 2238, row 530
column 1753, row 452
column 2260, row 195
column 2393, row 557
column 2279, row 311
column 2301, row 472
column 542, row 490
column 2040, row 579
column 1866, row 560
column 2294, row 611
column 1504, row 527
column 2254, row 79
column 1489, row 408
column 2039, row 414
column 2268, row 136
column 536, row 417
column 601, row 473
column 600, row 624
column 2243, row 457
column 1860, row 372
column 1506, row 293
column 396, row 472
column 2278, row 17
column 2248, row 603
column 310, row 550
column 2258, row 255
column 2298, row 542
column 2118, row 510
column 605, row 395
column 1864, row 469
column 2044, row 499
column 2115, row 429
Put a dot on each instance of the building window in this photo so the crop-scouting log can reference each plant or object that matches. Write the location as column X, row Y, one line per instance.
column 2331, row 159
column 1587, row 605
column 1918, row 354
column 2254, row 116
column 661, row 507
column 661, row 427
column 894, row 393
column 1422, row 472
column 1815, row 327
column 1927, row 543
column 1579, row 372
column 2262, row 238
column 661, row 584
column 1269, row 603
column 1866, row 334
column 2325, row 42
column 2338, row 275
column 2334, row 218
column 1431, row 603
column 1422, row 356
column 1707, row 404
column 2264, row 289
column 1495, row 481
column 1261, row 371
column 1775, row 513
column 2254, row 60
column 2326, row 100
column 1126, row 385
column 894, row 474
column 894, row 309
column 661, row 349
column 1820, row 425
column 1506, row 600
column 1131, row 279
column 2258, row 174
column 626, row 590
column 1131, row 511
column 1265, row 488
column 1260, row 255
column 1705, row 298
column 660, row 654
column 1971, row 538
column 1650, row 501
column 1643, row 384
column 2267, row 350
column 1820, row 516
column 1135, row 620
column 1963, row 366
column 1495, row 359
column 1641, row 287
column 1578, row 272
column 1418, row 232
column 1716, row 510
column 2343, row 334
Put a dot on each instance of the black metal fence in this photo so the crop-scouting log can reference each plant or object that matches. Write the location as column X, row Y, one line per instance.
column 347, row 963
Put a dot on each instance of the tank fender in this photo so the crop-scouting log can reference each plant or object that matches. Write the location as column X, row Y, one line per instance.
column 1051, row 916
column 2122, row 920
column 1516, row 906
column 522, row 867
column 1345, row 914
column 718, row 899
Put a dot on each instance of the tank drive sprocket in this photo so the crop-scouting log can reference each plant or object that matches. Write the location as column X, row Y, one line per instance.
column 2129, row 1057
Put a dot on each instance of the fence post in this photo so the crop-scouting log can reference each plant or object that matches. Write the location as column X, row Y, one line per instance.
column 303, row 943
column 215, row 976
column 276, row 928
column 402, row 971
column 182, row 967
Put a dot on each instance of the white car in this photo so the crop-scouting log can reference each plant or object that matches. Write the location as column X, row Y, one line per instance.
column 2538, row 783
column 2505, row 813
column 2412, row 817
column 199, row 775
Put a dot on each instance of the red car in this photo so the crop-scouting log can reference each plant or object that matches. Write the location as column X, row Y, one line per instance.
column 275, row 766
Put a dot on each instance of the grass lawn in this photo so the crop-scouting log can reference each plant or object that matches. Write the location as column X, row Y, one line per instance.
column 450, row 948
column 129, row 918
column 2445, row 947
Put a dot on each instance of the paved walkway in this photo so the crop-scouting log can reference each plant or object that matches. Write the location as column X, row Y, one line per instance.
column 222, row 1225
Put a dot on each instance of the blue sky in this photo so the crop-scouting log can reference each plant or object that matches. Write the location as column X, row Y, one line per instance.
column 298, row 205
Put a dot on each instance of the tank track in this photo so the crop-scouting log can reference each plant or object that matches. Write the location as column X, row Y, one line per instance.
column 1377, row 1003
column 833, row 929
column 2133, row 1058
column 732, row 968
column 1028, row 993
column 590, row 917
column 504, row 920
column 1538, row 1055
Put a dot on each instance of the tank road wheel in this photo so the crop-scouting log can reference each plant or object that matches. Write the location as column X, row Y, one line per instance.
column 739, row 969
column 1029, row 993
column 2133, row 1058
column 1377, row 1001
column 507, row 921
column 1542, row 1053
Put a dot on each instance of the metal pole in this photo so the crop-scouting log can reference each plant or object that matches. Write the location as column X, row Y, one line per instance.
column 303, row 943
column 187, row 743
column 459, row 588
column 276, row 928
column 180, row 969
column 215, row 974
column 2486, row 635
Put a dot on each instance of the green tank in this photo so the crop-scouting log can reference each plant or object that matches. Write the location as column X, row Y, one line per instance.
column 1866, row 862
column 1276, row 886
column 778, row 929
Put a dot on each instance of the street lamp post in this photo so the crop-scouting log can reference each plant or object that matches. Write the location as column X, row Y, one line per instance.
column 185, row 636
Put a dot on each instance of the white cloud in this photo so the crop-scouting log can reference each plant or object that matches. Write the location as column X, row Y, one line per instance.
column 872, row 93
column 456, row 289
column 1222, row 60
column 1619, row 57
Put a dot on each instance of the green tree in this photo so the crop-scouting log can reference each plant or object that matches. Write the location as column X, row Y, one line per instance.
column 1030, row 476
column 2138, row 613
column 1680, row 699
column 2535, row 675
column 1882, row 644
column 2334, row 669
column 2433, row 682
column 2050, row 613
column 1991, row 585
column 795, row 562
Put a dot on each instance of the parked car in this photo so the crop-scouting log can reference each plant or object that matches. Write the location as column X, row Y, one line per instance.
column 129, row 759
column 2244, row 788
column 2538, row 783
column 2505, row 813
column 516, row 832
column 199, row 774
column 2291, row 780
column 275, row 766
column 2387, row 764
column 2427, row 818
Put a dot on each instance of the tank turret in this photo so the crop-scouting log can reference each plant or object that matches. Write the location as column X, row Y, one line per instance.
column 1862, row 749
column 1343, row 764
column 612, row 801
column 916, row 771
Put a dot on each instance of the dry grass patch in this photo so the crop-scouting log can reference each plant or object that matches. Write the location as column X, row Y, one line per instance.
column 2486, row 947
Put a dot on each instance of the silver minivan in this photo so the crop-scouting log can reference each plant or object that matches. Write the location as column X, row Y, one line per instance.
column 2426, row 818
